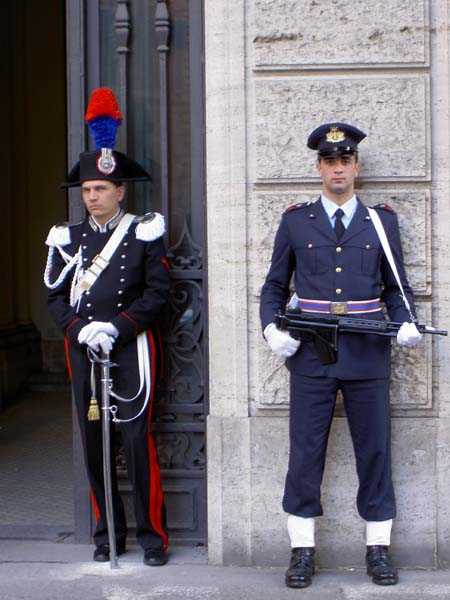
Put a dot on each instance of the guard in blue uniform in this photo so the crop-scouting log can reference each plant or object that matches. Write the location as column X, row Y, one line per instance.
column 333, row 251
column 109, row 301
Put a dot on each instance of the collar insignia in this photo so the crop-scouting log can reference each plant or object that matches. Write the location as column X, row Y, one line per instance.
column 112, row 224
column 335, row 135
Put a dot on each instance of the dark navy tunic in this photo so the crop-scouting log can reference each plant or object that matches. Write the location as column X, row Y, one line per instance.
column 129, row 293
column 355, row 268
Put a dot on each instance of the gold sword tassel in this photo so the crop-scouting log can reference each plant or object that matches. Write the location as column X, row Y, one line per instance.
column 93, row 412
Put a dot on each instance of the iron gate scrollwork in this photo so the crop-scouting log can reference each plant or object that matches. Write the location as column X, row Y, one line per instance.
column 180, row 402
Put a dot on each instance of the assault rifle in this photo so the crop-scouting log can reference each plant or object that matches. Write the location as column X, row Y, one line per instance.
column 323, row 329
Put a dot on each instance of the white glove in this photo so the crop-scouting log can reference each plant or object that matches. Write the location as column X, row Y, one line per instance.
column 102, row 341
column 408, row 335
column 280, row 342
column 88, row 332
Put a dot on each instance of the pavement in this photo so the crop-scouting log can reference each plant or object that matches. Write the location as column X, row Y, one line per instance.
column 42, row 570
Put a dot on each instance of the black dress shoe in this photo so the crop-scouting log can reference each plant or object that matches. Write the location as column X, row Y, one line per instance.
column 101, row 553
column 301, row 568
column 379, row 565
column 155, row 558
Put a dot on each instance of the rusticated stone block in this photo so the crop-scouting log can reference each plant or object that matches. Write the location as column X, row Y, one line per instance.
column 324, row 32
column 393, row 111
column 411, row 369
column 274, row 380
column 413, row 211
column 340, row 532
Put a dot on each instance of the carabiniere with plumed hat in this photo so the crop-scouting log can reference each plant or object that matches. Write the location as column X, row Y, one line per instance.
column 108, row 279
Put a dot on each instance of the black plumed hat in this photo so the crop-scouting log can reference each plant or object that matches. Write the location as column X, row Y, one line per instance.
column 103, row 118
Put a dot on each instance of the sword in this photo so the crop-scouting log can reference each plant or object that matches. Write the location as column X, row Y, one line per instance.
column 106, row 381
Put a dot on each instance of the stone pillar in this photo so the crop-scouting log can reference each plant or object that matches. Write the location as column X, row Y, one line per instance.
column 228, row 439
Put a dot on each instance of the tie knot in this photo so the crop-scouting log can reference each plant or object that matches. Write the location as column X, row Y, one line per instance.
column 339, row 213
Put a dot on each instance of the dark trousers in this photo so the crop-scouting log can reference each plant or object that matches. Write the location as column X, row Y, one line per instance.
column 140, row 453
column 367, row 406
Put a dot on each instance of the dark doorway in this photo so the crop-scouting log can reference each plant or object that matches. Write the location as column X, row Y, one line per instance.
column 35, row 408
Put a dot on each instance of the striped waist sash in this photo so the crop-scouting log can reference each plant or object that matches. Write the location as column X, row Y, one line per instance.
column 336, row 308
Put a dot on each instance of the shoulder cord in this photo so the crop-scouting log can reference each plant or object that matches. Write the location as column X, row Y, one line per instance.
column 144, row 377
column 71, row 261
column 388, row 252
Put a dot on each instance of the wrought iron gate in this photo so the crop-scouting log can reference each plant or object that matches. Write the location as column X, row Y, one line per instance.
column 150, row 52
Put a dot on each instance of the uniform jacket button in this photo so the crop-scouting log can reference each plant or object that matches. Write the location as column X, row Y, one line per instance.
column 338, row 291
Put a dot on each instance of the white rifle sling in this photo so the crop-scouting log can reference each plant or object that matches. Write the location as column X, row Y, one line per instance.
column 101, row 261
column 390, row 258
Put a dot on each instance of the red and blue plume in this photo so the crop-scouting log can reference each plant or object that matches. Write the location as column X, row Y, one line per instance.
column 103, row 118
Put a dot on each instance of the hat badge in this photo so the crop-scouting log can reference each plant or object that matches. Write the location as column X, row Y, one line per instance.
column 335, row 135
column 106, row 163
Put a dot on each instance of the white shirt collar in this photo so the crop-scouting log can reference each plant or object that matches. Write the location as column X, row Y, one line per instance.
column 348, row 207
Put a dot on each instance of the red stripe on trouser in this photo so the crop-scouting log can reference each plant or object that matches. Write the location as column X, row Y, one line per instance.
column 69, row 367
column 156, row 495
column 95, row 505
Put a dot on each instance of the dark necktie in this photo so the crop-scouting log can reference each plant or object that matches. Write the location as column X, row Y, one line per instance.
column 338, row 224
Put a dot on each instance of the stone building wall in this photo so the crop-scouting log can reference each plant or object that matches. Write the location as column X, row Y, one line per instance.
column 276, row 69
